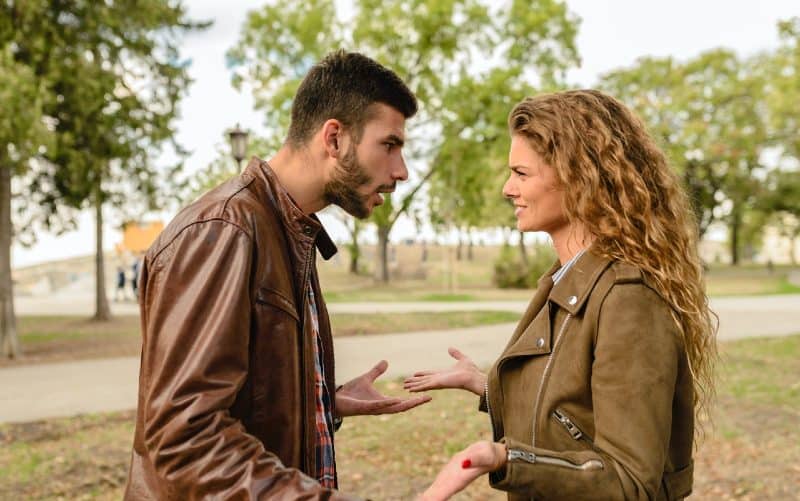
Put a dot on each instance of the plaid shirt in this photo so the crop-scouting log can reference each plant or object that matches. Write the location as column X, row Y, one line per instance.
column 325, row 463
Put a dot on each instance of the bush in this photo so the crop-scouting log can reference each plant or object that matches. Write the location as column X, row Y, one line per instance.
column 511, row 273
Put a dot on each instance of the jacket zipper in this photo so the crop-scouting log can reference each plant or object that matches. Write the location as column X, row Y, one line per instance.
column 530, row 457
column 544, row 376
column 570, row 426
column 309, row 465
column 489, row 408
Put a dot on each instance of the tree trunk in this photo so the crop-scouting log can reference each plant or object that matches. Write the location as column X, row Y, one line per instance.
column 471, row 245
column 9, row 343
column 523, row 252
column 382, row 272
column 102, row 311
column 460, row 247
column 355, row 250
column 736, row 223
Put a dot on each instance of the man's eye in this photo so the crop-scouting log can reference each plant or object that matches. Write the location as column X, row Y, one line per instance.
column 389, row 146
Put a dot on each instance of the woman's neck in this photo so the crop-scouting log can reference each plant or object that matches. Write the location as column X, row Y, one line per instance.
column 570, row 240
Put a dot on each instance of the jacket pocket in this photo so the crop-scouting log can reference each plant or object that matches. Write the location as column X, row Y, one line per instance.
column 530, row 457
column 274, row 298
column 569, row 425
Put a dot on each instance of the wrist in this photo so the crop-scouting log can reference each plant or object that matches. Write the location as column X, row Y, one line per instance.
column 477, row 383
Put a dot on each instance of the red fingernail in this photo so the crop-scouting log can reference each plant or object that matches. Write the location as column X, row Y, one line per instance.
column 466, row 463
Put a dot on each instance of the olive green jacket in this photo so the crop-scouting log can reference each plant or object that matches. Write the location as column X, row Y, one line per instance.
column 593, row 395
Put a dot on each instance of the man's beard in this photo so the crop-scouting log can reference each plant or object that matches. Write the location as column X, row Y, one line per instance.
column 342, row 189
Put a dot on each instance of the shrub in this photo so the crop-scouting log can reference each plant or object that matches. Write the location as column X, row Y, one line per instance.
column 511, row 273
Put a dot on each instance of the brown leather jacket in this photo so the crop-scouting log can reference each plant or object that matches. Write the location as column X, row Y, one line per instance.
column 593, row 394
column 226, row 386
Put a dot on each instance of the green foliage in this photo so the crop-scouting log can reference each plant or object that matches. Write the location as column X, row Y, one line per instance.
column 111, row 78
column 23, row 134
column 510, row 272
column 466, row 60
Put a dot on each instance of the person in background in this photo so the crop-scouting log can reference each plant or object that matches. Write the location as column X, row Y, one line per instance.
column 597, row 392
column 119, row 293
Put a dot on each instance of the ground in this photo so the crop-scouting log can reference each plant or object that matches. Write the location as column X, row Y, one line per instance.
column 749, row 451
column 55, row 338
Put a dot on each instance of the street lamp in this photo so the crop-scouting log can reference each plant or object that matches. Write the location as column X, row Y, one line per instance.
column 238, row 138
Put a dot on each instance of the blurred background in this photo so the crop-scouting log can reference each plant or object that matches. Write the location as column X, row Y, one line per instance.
column 115, row 114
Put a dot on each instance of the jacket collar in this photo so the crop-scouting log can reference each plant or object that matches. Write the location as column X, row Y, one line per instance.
column 571, row 292
column 302, row 227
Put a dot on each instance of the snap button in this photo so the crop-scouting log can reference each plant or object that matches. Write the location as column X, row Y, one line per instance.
column 573, row 299
column 540, row 342
column 307, row 230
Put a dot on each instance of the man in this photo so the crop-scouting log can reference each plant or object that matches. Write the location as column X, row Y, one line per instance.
column 237, row 398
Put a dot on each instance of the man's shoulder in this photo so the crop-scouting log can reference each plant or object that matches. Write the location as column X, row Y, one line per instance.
column 231, row 203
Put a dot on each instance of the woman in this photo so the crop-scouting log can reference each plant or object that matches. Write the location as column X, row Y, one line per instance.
column 595, row 395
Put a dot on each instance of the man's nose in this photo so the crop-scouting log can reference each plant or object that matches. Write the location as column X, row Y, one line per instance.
column 400, row 171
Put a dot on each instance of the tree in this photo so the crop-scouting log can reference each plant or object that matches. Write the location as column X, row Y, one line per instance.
column 783, row 89
column 707, row 114
column 114, row 78
column 23, row 136
column 431, row 44
column 782, row 201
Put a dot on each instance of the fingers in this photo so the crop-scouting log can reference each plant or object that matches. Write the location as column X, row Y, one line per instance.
column 426, row 373
column 483, row 455
column 406, row 404
column 421, row 383
column 455, row 353
column 376, row 371
column 370, row 407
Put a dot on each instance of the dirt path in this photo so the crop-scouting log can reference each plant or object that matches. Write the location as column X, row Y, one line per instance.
column 69, row 388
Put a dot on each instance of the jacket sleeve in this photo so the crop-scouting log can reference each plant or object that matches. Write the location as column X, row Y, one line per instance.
column 633, row 383
column 196, row 312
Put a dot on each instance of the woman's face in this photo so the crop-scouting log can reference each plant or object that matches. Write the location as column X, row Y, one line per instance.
column 533, row 188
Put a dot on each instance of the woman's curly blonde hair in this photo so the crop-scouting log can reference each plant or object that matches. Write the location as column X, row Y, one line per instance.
column 621, row 188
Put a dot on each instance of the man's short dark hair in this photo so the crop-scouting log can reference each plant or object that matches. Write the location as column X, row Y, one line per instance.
column 343, row 86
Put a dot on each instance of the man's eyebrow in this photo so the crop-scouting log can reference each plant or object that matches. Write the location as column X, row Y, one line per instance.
column 394, row 139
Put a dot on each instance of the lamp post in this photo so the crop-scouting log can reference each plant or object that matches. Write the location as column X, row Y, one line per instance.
column 238, row 138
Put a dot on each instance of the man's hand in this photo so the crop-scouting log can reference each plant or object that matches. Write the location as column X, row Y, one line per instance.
column 467, row 465
column 359, row 397
column 463, row 375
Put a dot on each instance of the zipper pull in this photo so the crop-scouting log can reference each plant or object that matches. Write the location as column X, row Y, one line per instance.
column 573, row 429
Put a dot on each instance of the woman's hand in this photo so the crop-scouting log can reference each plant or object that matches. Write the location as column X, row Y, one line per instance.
column 467, row 465
column 463, row 375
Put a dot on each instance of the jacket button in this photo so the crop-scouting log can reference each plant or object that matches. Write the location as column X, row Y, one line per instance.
column 307, row 230
column 573, row 299
column 540, row 342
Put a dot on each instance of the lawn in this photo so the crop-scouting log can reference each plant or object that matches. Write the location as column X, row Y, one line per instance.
column 749, row 452
column 52, row 338
column 430, row 280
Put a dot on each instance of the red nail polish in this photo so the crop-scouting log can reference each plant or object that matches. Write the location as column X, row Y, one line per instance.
column 466, row 463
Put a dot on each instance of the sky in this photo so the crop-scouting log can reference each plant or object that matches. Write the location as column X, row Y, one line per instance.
column 612, row 34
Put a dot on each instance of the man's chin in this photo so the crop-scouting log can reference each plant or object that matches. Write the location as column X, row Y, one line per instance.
column 362, row 212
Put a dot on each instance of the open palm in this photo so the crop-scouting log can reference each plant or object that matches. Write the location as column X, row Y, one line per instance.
column 359, row 397
column 463, row 375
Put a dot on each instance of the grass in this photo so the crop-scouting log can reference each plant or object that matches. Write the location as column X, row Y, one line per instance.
column 415, row 280
column 345, row 324
column 46, row 338
column 750, row 452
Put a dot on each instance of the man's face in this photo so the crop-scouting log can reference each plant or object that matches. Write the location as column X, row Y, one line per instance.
column 371, row 167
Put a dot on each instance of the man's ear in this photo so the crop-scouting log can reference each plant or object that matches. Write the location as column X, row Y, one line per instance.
column 332, row 133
